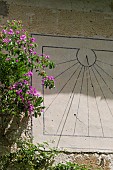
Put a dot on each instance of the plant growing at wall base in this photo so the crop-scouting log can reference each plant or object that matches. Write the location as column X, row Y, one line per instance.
column 34, row 157
column 28, row 157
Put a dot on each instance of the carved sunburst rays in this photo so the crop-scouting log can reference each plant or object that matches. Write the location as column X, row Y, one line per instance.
column 81, row 104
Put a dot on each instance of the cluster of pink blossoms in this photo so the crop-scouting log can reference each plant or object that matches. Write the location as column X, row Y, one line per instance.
column 6, row 40
column 50, row 78
column 32, row 91
column 29, row 74
column 23, row 37
column 22, row 88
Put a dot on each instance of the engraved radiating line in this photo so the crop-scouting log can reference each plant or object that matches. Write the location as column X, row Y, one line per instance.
column 104, row 62
column 104, row 71
column 103, row 80
column 79, row 101
column 65, row 62
column 102, row 92
column 96, row 103
column 62, row 88
column 87, row 92
column 87, row 100
column 66, row 70
column 72, row 96
column 66, row 106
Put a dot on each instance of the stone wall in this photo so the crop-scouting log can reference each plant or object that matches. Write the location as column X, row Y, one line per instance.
column 70, row 18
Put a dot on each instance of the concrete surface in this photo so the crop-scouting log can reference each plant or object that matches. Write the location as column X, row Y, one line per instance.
column 79, row 111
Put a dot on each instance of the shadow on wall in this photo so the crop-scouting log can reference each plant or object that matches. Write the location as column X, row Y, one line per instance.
column 4, row 9
column 83, row 65
column 79, row 73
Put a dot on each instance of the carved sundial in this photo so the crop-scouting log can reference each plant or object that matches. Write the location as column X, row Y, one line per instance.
column 86, row 57
column 79, row 111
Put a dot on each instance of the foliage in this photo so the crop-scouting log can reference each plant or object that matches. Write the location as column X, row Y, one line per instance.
column 69, row 166
column 17, row 60
column 35, row 157
column 28, row 157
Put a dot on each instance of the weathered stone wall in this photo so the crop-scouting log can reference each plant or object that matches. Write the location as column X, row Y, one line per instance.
column 64, row 17
column 78, row 20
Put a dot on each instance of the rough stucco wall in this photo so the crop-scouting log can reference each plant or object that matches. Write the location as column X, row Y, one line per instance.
column 61, row 21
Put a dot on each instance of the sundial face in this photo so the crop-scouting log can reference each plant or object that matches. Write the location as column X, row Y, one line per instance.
column 86, row 57
column 79, row 111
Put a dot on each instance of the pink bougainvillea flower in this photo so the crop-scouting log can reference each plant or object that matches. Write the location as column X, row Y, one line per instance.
column 32, row 39
column 31, row 45
column 43, row 80
column 18, row 41
column 4, row 31
column 29, row 74
column 35, row 92
column 19, row 91
column 7, row 59
column 25, row 81
column 21, row 97
column 47, row 56
column 17, row 32
column 50, row 77
column 32, row 91
column 23, row 37
column 6, row 40
column 11, row 32
column 34, row 52
column 31, row 108
column 30, row 50
column 23, row 30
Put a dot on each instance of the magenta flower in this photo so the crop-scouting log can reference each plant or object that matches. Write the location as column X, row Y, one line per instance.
column 35, row 92
column 30, row 50
column 50, row 77
column 22, row 97
column 19, row 91
column 4, row 31
column 31, row 108
column 23, row 30
column 32, row 91
column 6, row 40
column 32, row 39
column 19, row 83
column 23, row 37
column 24, row 48
column 43, row 80
column 17, row 32
column 25, row 82
column 30, row 45
column 47, row 56
column 16, row 60
column 11, row 32
column 34, row 52
column 14, row 86
column 7, row 59
column 29, row 74
column 18, row 41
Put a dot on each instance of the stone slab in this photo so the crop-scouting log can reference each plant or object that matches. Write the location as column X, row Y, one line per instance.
column 79, row 111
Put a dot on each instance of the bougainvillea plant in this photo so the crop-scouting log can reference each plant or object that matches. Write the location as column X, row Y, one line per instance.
column 17, row 60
